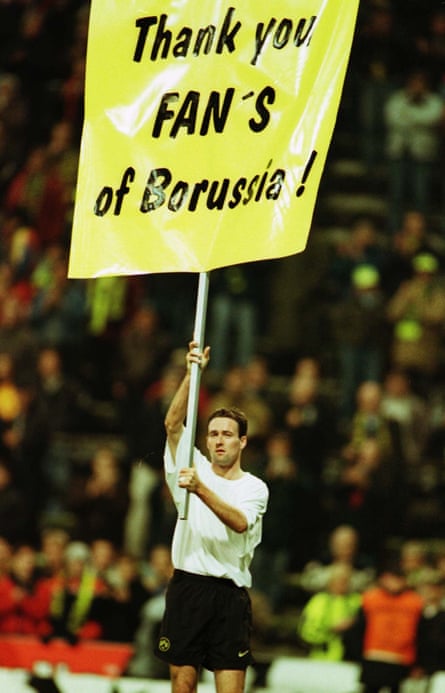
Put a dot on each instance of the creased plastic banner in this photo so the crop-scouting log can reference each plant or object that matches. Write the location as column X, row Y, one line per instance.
column 207, row 126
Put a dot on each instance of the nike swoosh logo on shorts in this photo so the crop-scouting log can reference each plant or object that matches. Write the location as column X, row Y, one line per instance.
column 242, row 653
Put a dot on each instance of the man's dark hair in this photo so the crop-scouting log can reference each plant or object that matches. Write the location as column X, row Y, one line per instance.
column 231, row 413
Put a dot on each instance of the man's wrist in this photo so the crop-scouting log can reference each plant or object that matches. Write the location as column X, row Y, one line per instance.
column 200, row 490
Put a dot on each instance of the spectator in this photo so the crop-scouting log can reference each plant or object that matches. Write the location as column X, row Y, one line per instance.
column 99, row 501
column 368, row 421
column 22, row 254
column 413, row 116
column 343, row 549
column 361, row 496
column 63, row 153
column 78, row 600
column 16, row 337
column 409, row 415
column 70, row 409
column 360, row 335
column 431, row 629
column 308, row 366
column 129, row 594
column 261, row 383
column 410, row 239
column 156, row 574
column 157, row 570
column 424, row 514
column 51, row 220
column 328, row 615
column 414, row 562
column 25, row 190
column 416, row 312
column 51, row 555
column 103, row 556
column 26, row 441
column 311, row 423
column 36, row 189
column 59, row 310
column 291, row 512
column 144, row 484
column 107, row 304
column 380, row 52
column 235, row 297
column 143, row 348
column 391, row 614
column 22, row 608
column 359, row 246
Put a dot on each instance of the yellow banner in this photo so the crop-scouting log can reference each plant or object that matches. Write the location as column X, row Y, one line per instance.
column 206, row 131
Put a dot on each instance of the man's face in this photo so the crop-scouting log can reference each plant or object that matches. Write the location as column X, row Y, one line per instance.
column 417, row 88
column 223, row 442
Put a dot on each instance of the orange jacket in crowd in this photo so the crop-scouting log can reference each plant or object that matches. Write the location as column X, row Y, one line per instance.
column 391, row 625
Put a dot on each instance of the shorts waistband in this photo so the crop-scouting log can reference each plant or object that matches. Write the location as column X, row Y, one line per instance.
column 205, row 578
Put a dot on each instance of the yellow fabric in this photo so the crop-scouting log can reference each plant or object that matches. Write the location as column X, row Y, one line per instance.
column 205, row 133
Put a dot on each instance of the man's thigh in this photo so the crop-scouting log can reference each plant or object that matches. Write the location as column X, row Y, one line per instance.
column 229, row 681
column 184, row 678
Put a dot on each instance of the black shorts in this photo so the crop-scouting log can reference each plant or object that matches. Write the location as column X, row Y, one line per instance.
column 207, row 623
column 375, row 673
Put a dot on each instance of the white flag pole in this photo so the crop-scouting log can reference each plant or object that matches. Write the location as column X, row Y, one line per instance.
column 195, row 379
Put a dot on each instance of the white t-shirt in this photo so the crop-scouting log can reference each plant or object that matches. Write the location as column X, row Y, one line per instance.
column 202, row 543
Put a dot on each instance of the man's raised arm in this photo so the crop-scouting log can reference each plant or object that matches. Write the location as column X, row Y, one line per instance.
column 175, row 417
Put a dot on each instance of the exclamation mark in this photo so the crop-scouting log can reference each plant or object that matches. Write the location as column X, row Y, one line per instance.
column 306, row 173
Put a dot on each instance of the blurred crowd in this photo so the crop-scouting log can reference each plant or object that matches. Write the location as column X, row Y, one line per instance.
column 76, row 591
column 347, row 427
column 390, row 618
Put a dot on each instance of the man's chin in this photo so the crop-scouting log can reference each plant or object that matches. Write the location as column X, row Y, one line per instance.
column 221, row 461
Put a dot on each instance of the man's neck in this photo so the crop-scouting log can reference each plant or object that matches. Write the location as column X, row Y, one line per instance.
column 231, row 473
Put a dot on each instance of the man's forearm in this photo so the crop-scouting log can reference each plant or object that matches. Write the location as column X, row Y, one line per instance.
column 174, row 419
column 232, row 517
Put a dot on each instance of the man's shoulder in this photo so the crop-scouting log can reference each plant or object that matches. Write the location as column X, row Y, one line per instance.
column 255, row 481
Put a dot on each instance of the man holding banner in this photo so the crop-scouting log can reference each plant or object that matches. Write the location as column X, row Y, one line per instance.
column 207, row 621
column 203, row 145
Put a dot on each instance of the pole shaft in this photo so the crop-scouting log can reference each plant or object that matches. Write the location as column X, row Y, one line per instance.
column 195, row 379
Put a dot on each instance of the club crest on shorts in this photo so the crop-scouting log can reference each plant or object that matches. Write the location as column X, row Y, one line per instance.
column 164, row 644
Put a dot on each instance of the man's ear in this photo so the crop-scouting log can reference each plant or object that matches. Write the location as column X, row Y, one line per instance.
column 243, row 440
